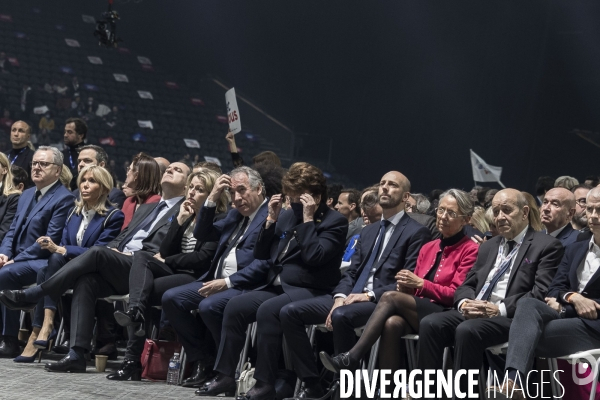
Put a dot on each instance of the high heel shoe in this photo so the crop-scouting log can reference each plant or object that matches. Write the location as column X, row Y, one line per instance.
column 45, row 344
column 30, row 359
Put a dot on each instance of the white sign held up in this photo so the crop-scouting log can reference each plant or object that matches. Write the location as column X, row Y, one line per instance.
column 233, row 112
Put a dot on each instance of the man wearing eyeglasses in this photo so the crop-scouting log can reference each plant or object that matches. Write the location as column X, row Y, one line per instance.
column 579, row 220
column 42, row 211
column 517, row 263
column 556, row 212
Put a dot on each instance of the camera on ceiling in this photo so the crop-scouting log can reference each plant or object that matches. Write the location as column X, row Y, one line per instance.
column 106, row 29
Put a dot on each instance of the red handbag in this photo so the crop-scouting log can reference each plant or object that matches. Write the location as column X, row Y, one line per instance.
column 156, row 357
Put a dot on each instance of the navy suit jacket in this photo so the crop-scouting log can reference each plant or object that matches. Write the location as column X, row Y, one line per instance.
column 96, row 233
column 401, row 252
column 47, row 218
column 251, row 272
column 566, row 281
column 311, row 265
column 568, row 235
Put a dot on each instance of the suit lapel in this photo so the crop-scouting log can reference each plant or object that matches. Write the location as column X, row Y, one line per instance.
column 26, row 199
column 165, row 218
column 93, row 226
column 519, row 257
column 293, row 247
column 41, row 203
column 226, row 235
column 393, row 240
column 256, row 222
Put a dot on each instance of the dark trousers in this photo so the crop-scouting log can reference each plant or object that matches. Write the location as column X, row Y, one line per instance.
column 262, row 306
column 15, row 276
column 99, row 272
column 55, row 262
column 192, row 331
column 149, row 279
column 295, row 316
column 537, row 330
column 470, row 338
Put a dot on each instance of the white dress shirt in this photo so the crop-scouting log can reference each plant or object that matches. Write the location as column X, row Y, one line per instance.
column 87, row 217
column 230, row 262
column 589, row 265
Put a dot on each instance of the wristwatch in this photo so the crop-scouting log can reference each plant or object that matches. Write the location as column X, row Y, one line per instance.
column 371, row 295
column 563, row 311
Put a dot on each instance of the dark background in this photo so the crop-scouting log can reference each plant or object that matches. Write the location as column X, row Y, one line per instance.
column 408, row 85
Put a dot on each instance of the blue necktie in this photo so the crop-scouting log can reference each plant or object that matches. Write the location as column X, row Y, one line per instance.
column 501, row 271
column 364, row 275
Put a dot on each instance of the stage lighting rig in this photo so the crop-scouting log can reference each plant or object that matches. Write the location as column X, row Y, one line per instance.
column 106, row 29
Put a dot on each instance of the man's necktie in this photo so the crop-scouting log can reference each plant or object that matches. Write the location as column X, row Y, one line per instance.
column 144, row 225
column 501, row 271
column 364, row 275
column 34, row 201
column 230, row 246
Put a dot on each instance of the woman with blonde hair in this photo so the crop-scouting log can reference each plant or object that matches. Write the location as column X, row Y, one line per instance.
column 91, row 222
column 9, row 196
column 535, row 221
column 181, row 260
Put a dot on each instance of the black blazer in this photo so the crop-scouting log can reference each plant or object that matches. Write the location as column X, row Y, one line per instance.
column 311, row 265
column 566, row 281
column 158, row 233
column 8, row 209
column 198, row 260
column 401, row 252
column 568, row 235
column 531, row 274
column 251, row 272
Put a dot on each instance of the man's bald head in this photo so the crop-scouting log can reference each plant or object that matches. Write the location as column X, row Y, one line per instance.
column 511, row 212
column 394, row 190
column 163, row 164
column 558, row 208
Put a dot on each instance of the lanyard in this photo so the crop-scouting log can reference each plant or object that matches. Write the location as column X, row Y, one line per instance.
column 501, row 259
column 17, row 156
column 71, row 159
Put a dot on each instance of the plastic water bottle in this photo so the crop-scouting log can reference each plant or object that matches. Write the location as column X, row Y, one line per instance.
column 174, row 367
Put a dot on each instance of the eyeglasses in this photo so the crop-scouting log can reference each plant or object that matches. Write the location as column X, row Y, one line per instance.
column 451, row 214
column 410, row 207
column 581, row 202
column 42, row 164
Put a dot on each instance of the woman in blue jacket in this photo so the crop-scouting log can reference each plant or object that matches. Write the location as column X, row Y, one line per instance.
column 91, row 222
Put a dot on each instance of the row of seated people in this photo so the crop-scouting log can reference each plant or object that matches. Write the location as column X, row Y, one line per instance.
column 281, row 268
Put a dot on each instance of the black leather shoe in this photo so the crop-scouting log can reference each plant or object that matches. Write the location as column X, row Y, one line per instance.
column 129, row 369
column 66, row 364
column 109, row 350
column 63, row 348
column 338, row 363
column 308, row 393
column 202, row 372
column 132, row 316
column 219, row 385
column 15, row 300
column 9, row 347
column 263, row 393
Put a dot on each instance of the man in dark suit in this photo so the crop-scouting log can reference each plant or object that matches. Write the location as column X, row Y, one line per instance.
column 567, row 321
column 20, row 154
column 104, row 271
column 557, row 210
column 382, row 250
column 234, row 269
column 515, row 264
column 42, row 211
column 95, row 155
column 305, row 245
column 74, row 138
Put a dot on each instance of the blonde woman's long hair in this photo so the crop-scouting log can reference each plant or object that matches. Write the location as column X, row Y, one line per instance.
column 209, row 178
column 8, row 186
column 103, row 177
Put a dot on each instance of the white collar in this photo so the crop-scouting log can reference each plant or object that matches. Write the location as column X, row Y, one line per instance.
column 519, row 238
column 45, row 189
column 394, row 219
